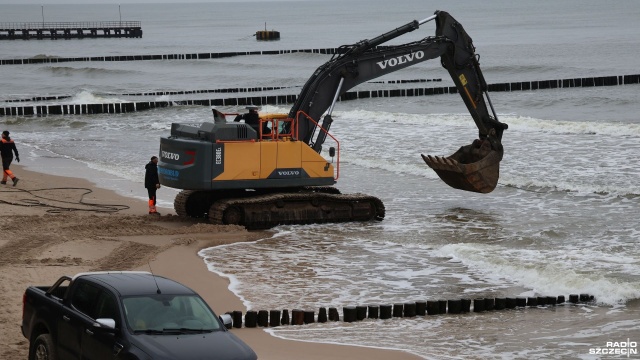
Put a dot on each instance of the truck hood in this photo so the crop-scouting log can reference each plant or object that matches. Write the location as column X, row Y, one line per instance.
column 221, row 345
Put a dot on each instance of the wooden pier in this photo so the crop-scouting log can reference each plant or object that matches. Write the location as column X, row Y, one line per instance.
column 69, row 30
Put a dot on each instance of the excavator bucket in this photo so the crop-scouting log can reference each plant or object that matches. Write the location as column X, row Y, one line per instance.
column 474, row 167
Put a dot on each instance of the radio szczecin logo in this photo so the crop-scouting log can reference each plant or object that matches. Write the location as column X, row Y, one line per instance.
column 627, row 348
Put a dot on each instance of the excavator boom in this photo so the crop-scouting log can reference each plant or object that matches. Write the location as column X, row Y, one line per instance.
column 470, row 168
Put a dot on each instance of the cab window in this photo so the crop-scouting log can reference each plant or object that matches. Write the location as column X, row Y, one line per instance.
column 95, row 302
column 84, row 298
column 106, row 307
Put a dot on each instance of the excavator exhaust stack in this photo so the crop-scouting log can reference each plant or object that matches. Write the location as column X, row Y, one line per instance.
column 474, row 167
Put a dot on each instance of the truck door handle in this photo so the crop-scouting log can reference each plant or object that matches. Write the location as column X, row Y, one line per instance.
column 65, row 318
column 88, row 331
column 117, row 347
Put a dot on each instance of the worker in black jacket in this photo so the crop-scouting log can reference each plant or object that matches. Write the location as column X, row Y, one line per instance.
column 252, row 118
column 152, row 183
column 7, row 149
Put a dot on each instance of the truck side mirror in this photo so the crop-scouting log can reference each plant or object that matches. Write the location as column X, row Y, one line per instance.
column 105, row 324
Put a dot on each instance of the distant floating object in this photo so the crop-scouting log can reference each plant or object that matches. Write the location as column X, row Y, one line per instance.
column 267, row 34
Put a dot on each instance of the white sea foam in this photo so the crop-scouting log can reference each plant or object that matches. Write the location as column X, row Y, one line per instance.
column 545, row 272
column 517, row 123
column 89, row 97
column 529, row 124
column 164, row 98
column 577, row 157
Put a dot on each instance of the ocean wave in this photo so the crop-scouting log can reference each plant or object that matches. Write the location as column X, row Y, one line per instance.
column 572, row 142
column 62, row 122
column 89, row 97
column 546, row 186
column 44, row 56
column 520, row 69
column 597, row 101
column 530, row 124
column 515, row 122
column 420, row 120
column 15, row 120
column 579, row 98
column 85, row 71
column 418, row 168
column 546, row 272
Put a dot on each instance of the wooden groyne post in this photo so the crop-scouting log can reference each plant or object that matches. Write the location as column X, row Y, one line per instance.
column 412, row 309
column 126, row 107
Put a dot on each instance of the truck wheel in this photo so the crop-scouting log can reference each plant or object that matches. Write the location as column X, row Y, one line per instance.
column 43, row 348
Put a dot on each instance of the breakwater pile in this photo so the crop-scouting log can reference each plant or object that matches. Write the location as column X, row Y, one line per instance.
column 127, row 107
column 133, row 106
column 273, row 318
column 190, row 56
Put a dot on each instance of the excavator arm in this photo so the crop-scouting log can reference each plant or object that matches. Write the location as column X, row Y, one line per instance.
column 474, row 167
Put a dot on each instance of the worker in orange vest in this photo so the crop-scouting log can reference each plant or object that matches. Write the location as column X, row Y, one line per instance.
column 7, row 149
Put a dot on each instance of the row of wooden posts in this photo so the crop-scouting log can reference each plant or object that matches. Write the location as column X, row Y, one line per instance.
column 125, row 107
column 273, row 318
column 192, row 56
column 209, row 91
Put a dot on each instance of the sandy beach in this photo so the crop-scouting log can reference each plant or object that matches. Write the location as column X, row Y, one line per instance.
column 54, row 226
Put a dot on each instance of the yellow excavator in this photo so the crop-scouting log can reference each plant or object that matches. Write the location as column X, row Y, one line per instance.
column 270, row 172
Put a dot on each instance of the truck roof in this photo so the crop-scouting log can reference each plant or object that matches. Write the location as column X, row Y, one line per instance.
column 130, row 283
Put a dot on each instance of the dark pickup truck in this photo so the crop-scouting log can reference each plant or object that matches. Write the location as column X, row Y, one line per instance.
column 125, row 315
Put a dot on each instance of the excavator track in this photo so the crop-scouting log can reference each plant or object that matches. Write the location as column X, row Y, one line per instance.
column 196, row 203
column 306, row 207
column 180, row 203
column 187, row 204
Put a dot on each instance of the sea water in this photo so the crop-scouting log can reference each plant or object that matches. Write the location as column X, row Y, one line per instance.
column 563, row 219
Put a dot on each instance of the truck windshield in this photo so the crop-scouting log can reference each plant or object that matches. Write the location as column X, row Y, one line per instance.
column 168, row 313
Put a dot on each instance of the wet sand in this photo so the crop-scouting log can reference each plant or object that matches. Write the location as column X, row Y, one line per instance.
column 54, row 226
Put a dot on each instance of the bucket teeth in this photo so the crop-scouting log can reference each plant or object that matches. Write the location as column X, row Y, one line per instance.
column 440, row 162
column 451, row 162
